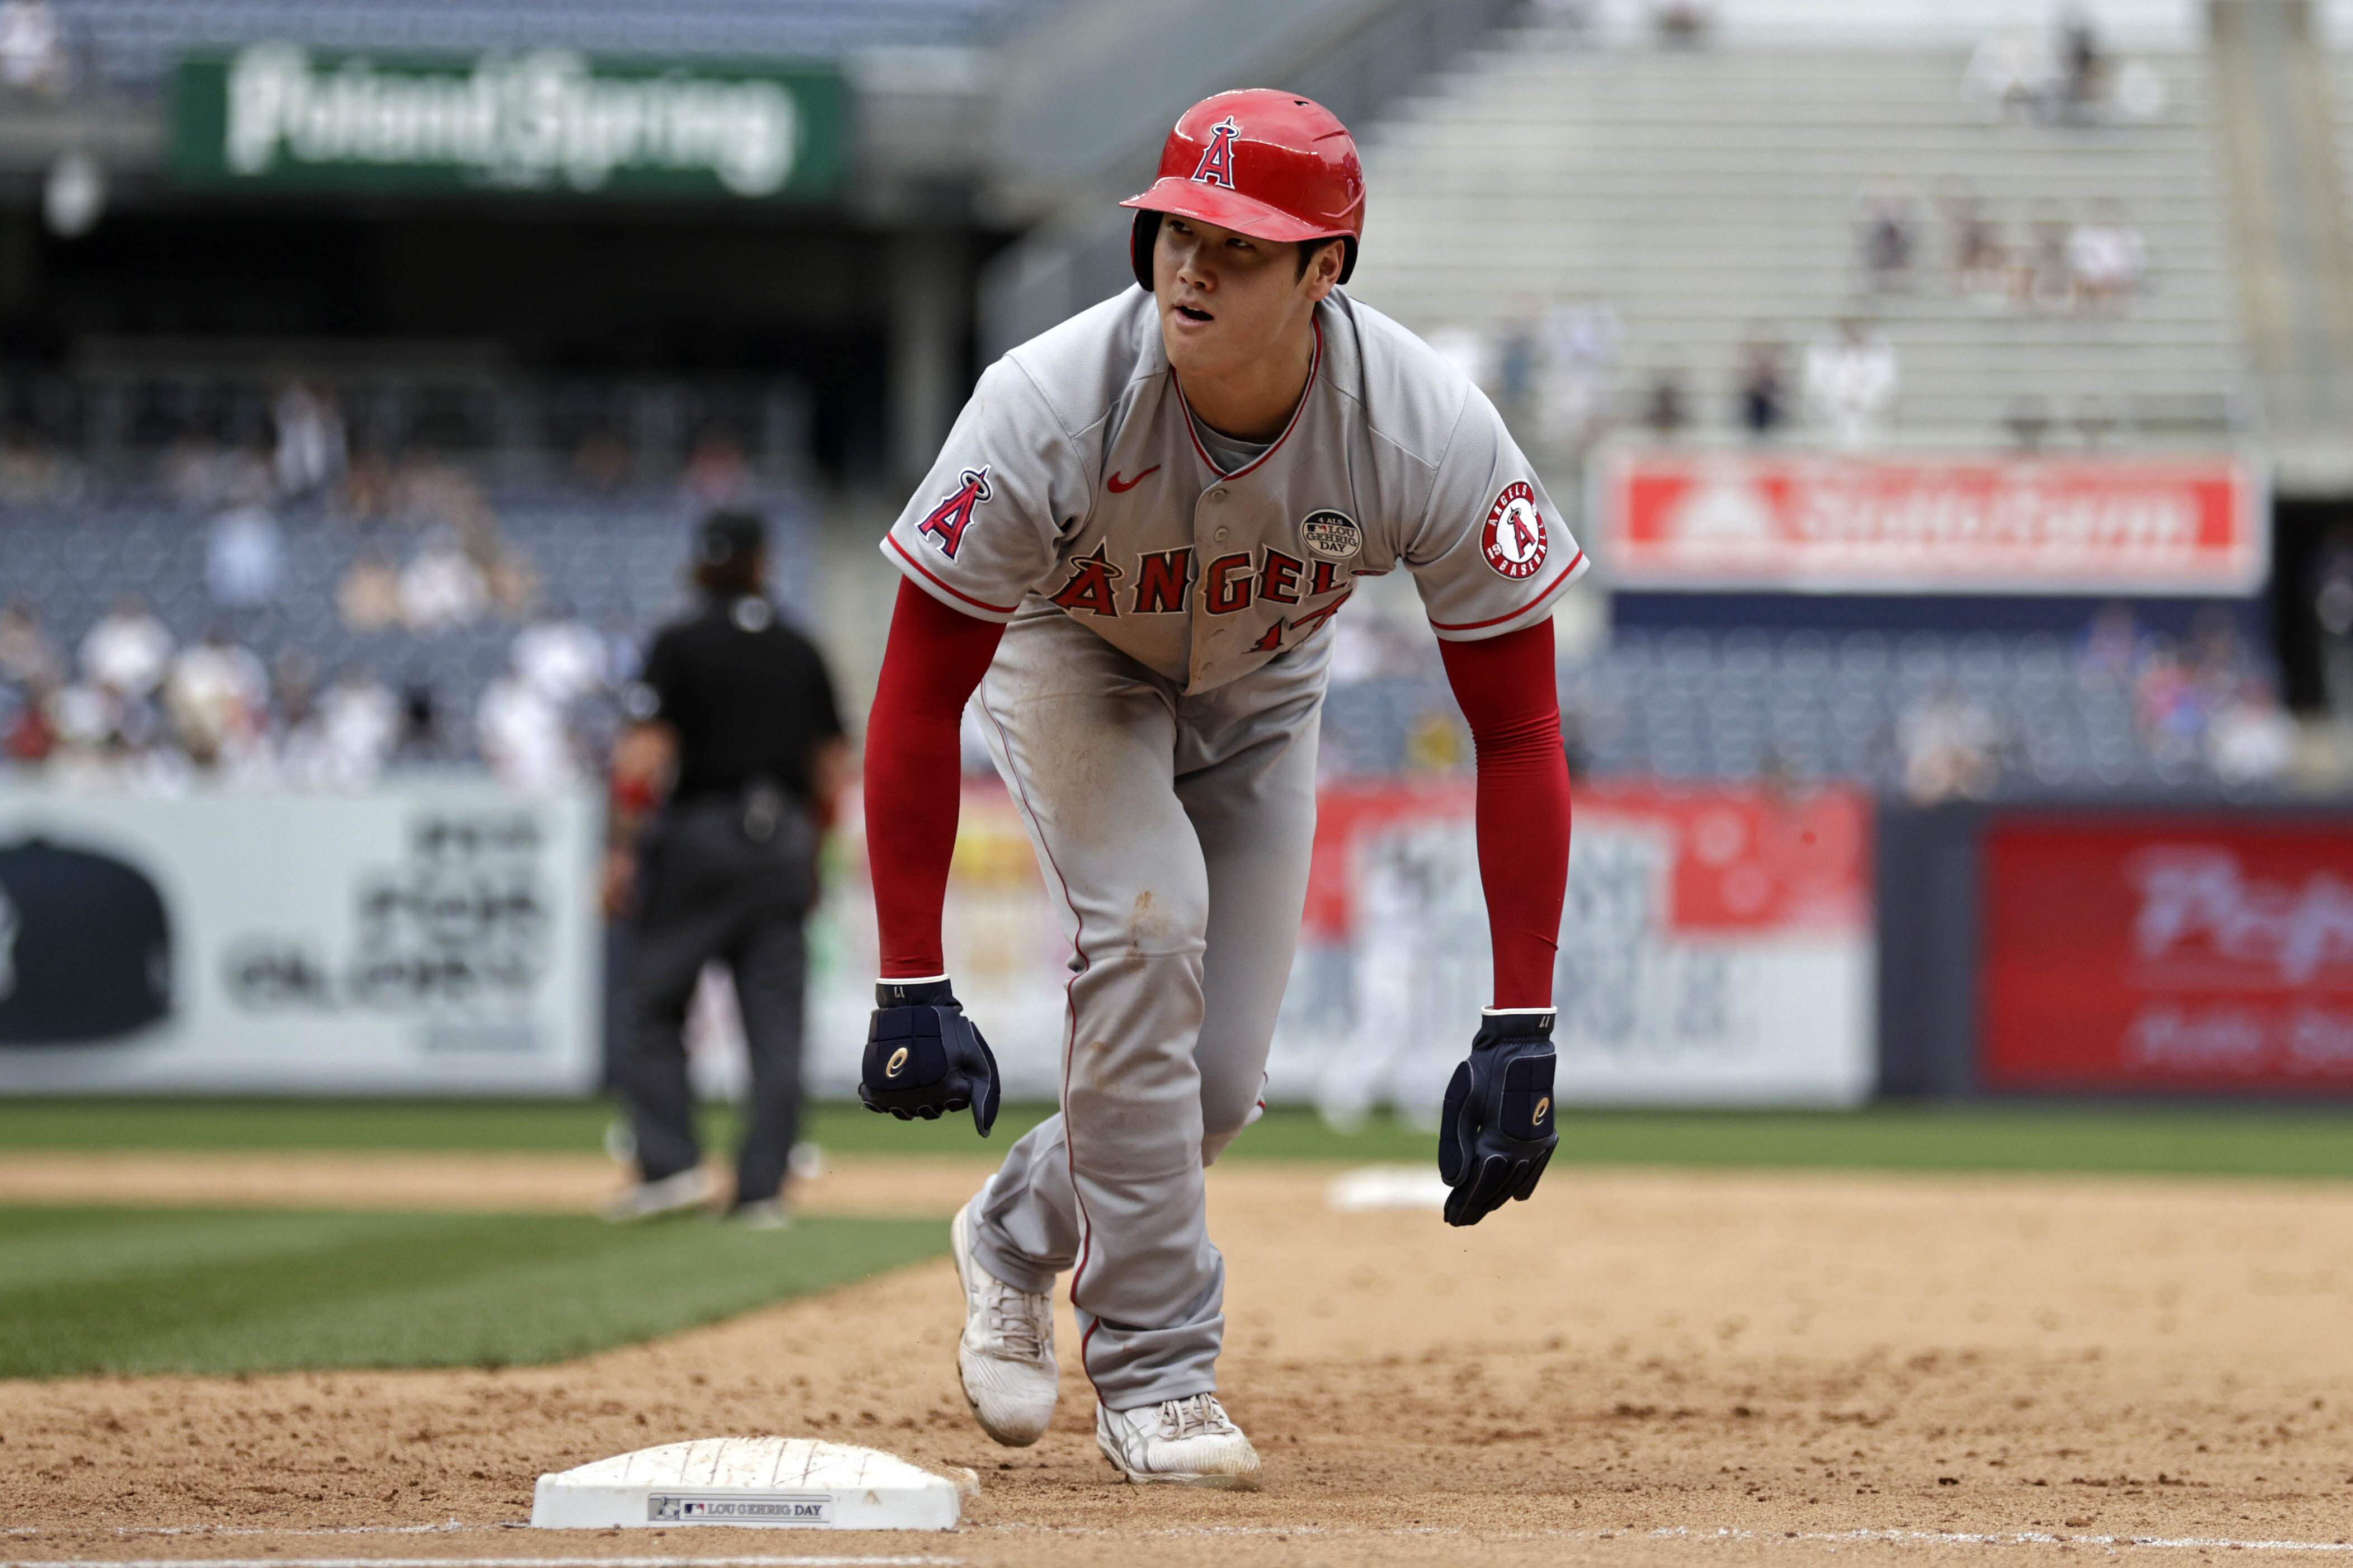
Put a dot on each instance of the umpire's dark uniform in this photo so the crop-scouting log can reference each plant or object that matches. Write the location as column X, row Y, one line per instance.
column 727, row 869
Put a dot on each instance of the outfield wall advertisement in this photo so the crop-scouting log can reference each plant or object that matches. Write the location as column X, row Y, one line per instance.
column 2197, row 953
column 1830, row 523
column 1716, row 948
column 429, row 939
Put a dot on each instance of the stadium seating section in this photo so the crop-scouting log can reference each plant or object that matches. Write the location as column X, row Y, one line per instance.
column 1710, row 197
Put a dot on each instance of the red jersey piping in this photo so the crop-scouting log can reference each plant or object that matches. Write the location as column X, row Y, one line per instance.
column 1559, row 584
column 944, row 588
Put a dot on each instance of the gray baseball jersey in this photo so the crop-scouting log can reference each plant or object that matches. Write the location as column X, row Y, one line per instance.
column 1074, row 478
column 1154, row 710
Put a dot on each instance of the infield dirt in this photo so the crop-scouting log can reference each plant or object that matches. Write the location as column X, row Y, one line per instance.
column 1786, row 1357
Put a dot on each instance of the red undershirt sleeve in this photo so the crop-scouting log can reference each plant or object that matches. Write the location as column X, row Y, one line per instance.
column 1506, row 689
column 933, row 660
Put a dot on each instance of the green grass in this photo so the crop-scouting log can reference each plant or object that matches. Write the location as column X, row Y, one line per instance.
column 151, row 1291
column 2210, row 1140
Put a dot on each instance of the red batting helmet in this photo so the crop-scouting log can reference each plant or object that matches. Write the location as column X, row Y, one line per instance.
column 1270, row 164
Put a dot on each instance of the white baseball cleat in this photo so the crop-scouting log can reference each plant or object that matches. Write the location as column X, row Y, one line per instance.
column 1005, row 1357
column 1187, row 1442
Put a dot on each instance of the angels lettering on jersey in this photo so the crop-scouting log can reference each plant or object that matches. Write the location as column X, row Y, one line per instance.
column 1075, row 480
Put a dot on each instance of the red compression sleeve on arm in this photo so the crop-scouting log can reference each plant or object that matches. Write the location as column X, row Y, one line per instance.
column 1505, row 687
column 934, row 658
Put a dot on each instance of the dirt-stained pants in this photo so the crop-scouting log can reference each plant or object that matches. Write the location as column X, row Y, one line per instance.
column 1174, row 831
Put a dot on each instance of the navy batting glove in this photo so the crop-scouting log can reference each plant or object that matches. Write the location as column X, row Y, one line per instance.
column 1495, row 1134
column 923, row 1057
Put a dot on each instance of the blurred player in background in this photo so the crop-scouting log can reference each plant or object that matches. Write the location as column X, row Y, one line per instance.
column 721, row 785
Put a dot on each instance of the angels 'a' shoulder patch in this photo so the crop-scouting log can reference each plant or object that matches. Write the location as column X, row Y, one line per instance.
column 1514, row 542
column 947, row 520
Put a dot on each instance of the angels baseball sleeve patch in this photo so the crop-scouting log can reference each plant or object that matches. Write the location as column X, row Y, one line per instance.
column 1513, row 542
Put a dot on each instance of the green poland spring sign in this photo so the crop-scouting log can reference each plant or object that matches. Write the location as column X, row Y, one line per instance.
column 549, row 120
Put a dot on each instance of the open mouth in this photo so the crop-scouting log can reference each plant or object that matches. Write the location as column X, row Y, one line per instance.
column 1194, row 313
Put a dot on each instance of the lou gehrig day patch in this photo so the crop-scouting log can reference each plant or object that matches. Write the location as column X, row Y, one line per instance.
column 1514, row 541
column 1332, row 535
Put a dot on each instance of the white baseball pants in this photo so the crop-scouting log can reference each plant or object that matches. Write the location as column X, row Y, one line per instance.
column 1174, row 832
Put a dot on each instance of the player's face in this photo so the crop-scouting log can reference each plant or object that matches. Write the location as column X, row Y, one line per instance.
column 1226, row 299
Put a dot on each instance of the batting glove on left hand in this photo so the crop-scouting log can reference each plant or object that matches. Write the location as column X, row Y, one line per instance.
column 1495, row 1134
column 923, row 1057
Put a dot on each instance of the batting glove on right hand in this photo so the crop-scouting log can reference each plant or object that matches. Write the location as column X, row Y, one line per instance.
column 1495, row 1134
column 923, row 1057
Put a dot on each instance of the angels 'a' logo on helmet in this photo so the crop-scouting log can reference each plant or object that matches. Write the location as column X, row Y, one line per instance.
column 1217, row 165
column 1513, row 542
column 946, row 525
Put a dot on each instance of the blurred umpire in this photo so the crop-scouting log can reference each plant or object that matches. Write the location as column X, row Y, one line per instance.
column 721, row 785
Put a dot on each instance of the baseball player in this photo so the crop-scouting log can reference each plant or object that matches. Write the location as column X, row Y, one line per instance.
column 1132, row 547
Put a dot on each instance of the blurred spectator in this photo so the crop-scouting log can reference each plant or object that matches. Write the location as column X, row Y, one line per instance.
column 2082, row 65
column 2096, row 419
column 1950, row 747
column 83, row 717
column 311, row 453
column 1851, row 382
column 1683, row 24
column 2106, row 257
column 427, row 492
column 2011, row 72
column 420, row 738
column 507, row 573
column 622, row 655
column 1663, row 414
column 1886, row 225
column 245, row 557
column 2028, row 421
column 32, row 49
column 2109, row 651
column 31, row 736
column 293, row 689
column 2168, row 705
column 217, row 696
column 27, row 657
column 716, row 474
column 128, row 649
column 359, row 725
column 368, row 598
column 2252, row 741
column 1980, row 261
column 1515, row 371
column 560, row 659
column 30, row 474
column 366, row 489
column 196, row 472
column 602, row 463
column 1763, row 389
column 2043, row 277
column 439, row 587
column 524, row 737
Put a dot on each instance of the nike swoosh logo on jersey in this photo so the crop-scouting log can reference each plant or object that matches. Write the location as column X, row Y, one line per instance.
column 1117, row 488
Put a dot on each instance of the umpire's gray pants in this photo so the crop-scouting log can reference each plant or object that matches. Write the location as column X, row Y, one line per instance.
column 1174, row 832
